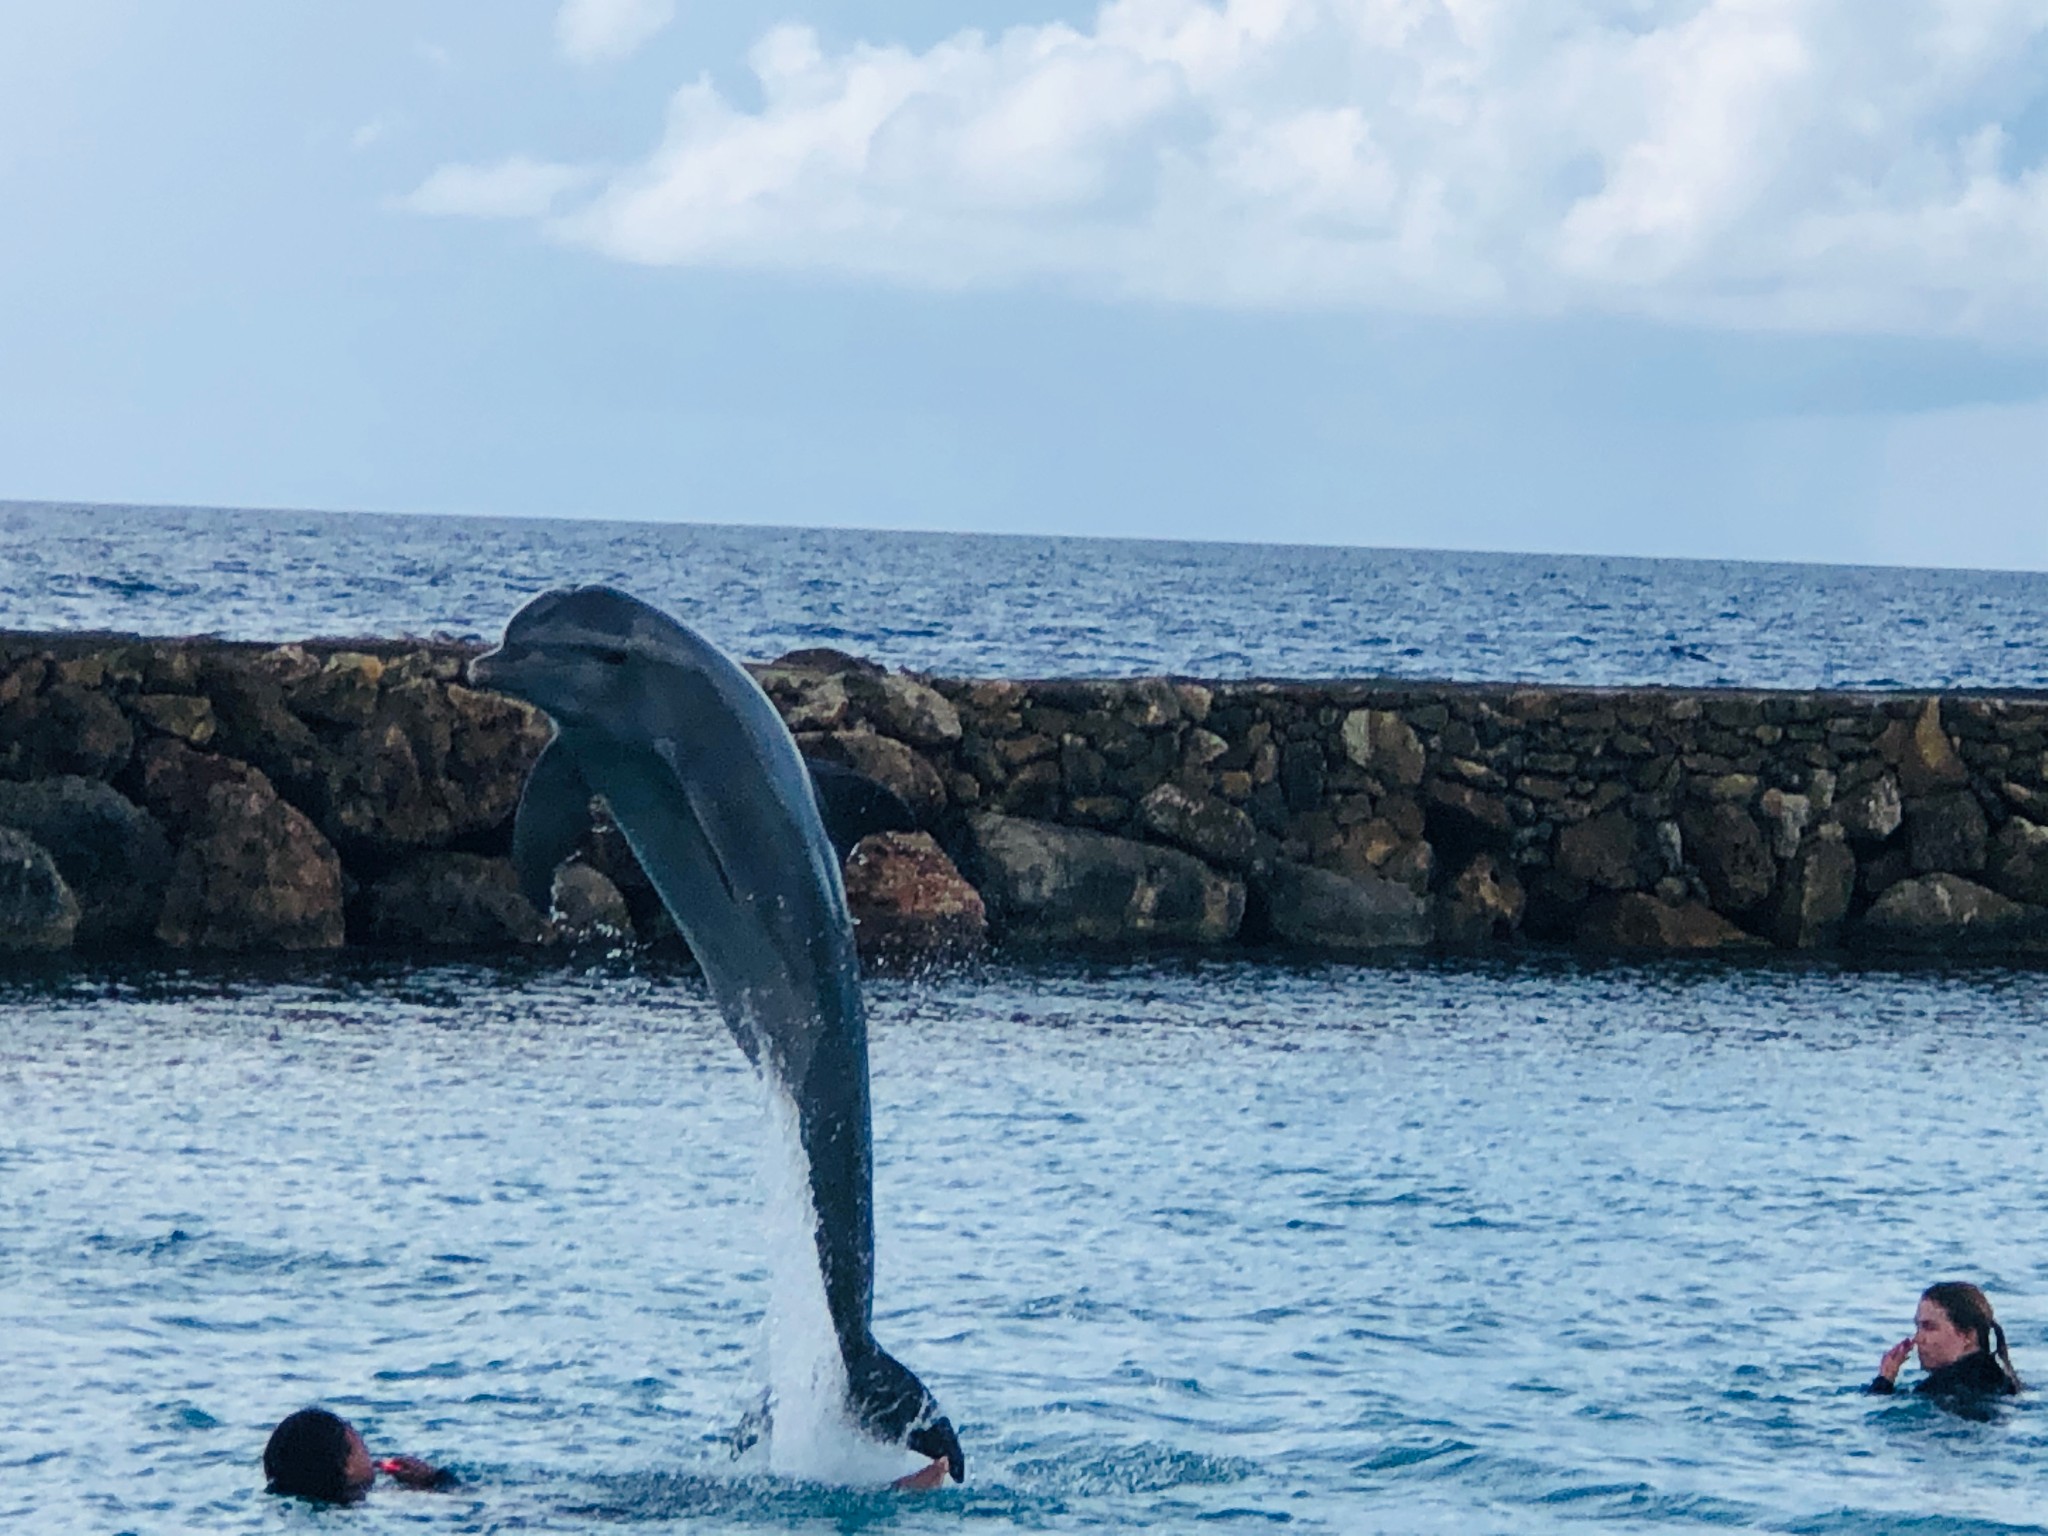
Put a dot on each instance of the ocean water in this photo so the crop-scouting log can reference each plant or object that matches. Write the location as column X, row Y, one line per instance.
column 1184, row 1246
column 1521, row 1247
column 1038, row 607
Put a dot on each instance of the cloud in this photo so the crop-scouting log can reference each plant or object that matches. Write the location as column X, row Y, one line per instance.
column 1808, row 165
column 605, row 31
column 512, row 189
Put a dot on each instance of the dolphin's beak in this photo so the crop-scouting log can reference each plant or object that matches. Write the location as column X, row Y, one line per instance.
column 937, row 1439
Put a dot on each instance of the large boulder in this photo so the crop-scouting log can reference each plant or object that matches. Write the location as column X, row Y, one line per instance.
column 388, row 758
column 111, row 852
column 2018, row 865
column 1947, row 832
column 453, row 900
column 1946, row 914
column 37, row 909
column 252, row 872
column 888, row 762
column 1605, row 852
column 1345, row 914
column 1814, row 898
column 1052, row 884
column 1635, row 921
column 907, row 898
column 1927, row 759
column 1207, row 827
column 1732, row 856
column 904, row 708
column 65, row 729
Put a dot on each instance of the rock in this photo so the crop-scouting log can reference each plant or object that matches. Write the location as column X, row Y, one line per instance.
column 823, row 658
column 454, row 900
column 812, row 703
column 2018, row 863
column 1050, row 884
column 1815, row 896
column 1635, row 921
column 186, row 716
column 252, row 873
column 1946, row 832
column 1927, row 759
column 1321, row 909
column 889, row 763
column 1730, row 853
column 172, row 780
column 437, row 762
column 1946, row 914
column 64, row 730
column 1382, row 743
column 588, row 906
column 1737, row 788
column 112, row 854
column 37, row 909
column 1784, row 817
column 1210, row 828
column 905, row 708
column 1485, row 902
column 2028, row 802
column 908, row 899
column 1603, row 851
column 342, row 692
column 1481, row 813
column 1872, row 811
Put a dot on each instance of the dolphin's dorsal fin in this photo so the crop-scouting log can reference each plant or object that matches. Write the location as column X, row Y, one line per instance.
column 853, row 805
column 554, row 813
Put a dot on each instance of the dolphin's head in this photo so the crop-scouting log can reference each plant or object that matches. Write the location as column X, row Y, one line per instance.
column 893, row 1405
column 580, row 653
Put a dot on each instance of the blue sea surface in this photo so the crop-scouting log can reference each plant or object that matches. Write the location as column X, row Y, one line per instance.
column 990, row 606
column 1183, row 1246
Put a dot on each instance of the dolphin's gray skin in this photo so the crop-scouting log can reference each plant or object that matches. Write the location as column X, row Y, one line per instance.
column 707, row 785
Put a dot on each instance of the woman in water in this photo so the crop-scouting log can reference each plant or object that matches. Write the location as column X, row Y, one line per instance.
column 315, row 1454
column 1961, row 1347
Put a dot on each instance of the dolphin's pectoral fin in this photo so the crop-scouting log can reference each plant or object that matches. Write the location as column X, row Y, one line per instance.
column 553, row 815
column 893, row 1405
column 853, row 805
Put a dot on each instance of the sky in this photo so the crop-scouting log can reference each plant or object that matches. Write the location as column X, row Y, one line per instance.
column 1757, row 279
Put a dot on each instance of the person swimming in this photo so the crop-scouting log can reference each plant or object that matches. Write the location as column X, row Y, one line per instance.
column 314, row 1454
column 1960, row 1343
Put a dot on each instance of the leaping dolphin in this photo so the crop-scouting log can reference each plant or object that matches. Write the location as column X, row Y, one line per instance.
column 708, row 787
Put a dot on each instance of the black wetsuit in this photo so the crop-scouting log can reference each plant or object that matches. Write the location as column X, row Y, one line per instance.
column 1977, row 1374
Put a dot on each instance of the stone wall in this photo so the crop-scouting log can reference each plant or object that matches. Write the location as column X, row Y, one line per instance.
column 206, row 795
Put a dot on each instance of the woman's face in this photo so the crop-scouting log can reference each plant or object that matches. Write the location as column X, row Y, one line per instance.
column 1938, row 1341
column 358, row 1471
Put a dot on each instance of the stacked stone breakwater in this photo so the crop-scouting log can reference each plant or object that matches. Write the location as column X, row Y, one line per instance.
column 207, row 795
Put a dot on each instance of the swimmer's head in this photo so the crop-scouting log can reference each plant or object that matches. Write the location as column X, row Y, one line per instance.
column 1954, row 1319
column 315, row 1454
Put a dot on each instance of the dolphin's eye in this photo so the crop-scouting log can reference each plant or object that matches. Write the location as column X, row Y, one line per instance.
column 612, row 658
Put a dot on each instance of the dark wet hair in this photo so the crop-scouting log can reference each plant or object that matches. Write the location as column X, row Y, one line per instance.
column 307, row 1456
column 1966, row 1306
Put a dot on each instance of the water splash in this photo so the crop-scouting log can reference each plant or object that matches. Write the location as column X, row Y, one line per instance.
column 810, row 1434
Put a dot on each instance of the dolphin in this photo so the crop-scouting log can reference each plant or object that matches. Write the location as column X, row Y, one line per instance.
column 710, row 792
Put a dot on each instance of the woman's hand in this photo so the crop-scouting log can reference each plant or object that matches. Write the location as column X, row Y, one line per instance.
column 1894, row 1357
column 926, row 1478
column 409, row 1471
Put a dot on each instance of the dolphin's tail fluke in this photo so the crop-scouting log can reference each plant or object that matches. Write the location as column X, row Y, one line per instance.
column 893, row 1405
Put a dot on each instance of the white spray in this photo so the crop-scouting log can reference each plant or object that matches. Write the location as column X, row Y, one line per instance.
column 811, row 1435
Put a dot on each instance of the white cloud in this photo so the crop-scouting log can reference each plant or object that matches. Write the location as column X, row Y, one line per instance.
column 1802, row 164
column 605, row 31
column 369, row 133
column 512, row 189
